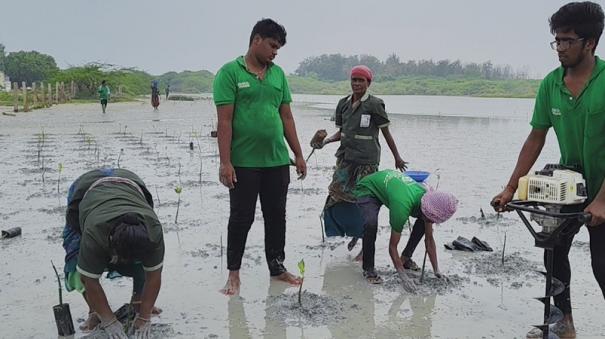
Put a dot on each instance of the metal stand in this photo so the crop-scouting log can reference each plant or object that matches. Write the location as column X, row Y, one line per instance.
column 548, row 241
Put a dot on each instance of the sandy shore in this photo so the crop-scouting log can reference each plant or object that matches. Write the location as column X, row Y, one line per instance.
column 473, row 159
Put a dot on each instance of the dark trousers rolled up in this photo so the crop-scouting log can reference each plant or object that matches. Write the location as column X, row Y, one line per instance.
column 271, row 184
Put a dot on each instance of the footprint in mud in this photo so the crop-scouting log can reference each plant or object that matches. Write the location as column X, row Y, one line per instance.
column 490, row 219
column 314, row 309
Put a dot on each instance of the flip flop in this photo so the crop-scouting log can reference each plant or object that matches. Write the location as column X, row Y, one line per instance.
column 463, row 244
column 372, row 277
column 483, row 245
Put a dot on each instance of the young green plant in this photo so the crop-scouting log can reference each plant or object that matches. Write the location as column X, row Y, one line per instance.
column 301, row 269
column 59, row 177
column 178, row 191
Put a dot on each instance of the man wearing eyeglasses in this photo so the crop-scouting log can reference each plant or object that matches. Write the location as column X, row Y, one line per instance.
column 571, row 100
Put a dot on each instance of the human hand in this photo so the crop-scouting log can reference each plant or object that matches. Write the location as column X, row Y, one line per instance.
column 227, row 175
column 441, row 276
column 142, row 328
column 400, row 164
column 113, row 329
column 407, row 282
column 499, row 201
column 301, row 167
column 597, row 210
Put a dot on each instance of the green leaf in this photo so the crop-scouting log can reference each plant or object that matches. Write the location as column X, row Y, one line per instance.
column 60, row 167
column 178, row 189
column 301, row 267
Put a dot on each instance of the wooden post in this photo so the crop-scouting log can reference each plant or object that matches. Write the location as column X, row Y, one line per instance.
column 73, row 90
column 34, row 94
column 15, row 97
column 42, row 96
column 49, row 98
column 56, row 92
column 25, row 103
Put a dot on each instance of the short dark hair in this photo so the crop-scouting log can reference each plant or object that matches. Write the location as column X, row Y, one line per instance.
column 103, row 82
column 267, row 28
column 584, row 18
column 130, row 240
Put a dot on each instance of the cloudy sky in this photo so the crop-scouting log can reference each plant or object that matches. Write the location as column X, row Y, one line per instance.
column 160, row 36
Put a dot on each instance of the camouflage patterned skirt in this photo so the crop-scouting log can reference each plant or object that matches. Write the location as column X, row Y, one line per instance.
column 345, row 177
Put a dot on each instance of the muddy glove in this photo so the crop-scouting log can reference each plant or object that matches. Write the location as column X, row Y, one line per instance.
column 144, row 330
column 113, row 329
column 407, row 282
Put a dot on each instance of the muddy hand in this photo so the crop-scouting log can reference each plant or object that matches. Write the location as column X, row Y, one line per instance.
column 143, row 328
column 113, row 329
column 499, row 201
column 227, row 175
column 301, row 167
column 408, row 284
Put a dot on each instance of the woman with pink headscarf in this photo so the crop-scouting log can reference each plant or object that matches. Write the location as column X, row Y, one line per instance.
column 404, row 198
column 359, row 118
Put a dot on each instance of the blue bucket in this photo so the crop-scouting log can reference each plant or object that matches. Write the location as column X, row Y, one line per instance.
column 418, row 176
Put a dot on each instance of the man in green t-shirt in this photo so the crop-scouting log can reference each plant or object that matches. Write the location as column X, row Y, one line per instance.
column 571, row 100
column 104, row 94
column 252, row 100
column 111, row 225
column 404, row 198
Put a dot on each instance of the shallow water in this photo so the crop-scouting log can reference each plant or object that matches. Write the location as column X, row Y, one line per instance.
column 471, row 156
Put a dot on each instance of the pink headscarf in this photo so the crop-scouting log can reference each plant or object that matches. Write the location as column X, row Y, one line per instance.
column 362, row 71
column 438, row 207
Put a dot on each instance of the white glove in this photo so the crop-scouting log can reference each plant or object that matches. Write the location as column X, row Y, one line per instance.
column 143, row 331
column 113, row 329
column 408, row 284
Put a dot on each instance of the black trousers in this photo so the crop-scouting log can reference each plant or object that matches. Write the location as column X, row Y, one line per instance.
column 271, row 184
column 415, row 237
column 562, row 269
column 369, row 207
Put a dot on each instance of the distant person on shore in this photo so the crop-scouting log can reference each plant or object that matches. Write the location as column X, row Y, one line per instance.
column 359, row 117
column 111, row 226
column 167, row 90
column 404, row 198
column 252, row 100
column 155, row 94
column 104, row 94
column 571, row 101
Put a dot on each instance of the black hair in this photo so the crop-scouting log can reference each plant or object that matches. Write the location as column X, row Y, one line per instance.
column 103, row 82
column 130, row 239
column 584, row 18
column 267, row 28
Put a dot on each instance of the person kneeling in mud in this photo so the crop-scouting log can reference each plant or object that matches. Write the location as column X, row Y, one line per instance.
column 111, row 226
column 404, row 198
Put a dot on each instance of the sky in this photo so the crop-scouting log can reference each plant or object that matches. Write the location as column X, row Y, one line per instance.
column 175, row 35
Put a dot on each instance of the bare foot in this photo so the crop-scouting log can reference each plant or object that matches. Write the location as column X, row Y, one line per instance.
column 289, row 278
column 90, row 323
column 359, row 257
column 156, row 311
column 232, row 284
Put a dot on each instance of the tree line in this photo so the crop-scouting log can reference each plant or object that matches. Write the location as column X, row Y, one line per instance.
column 336, row 67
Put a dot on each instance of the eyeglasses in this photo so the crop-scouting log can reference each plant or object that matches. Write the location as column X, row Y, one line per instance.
column 564, row 44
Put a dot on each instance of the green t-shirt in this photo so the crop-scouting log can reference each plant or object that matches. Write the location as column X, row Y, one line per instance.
column 258, row 131
column 360, row 127
column 104, row 93
column 579, row 123
column 100, row 209
column 398, row 192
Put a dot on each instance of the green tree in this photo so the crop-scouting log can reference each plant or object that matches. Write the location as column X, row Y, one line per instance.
column 29, row 66
column 2, row 57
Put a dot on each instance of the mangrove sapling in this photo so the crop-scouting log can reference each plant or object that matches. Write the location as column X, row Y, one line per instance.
column 125, row 127
column 120, row 156
column 59, row 177
column 58, row 282
column 503, row 248
column 301, row 269
column 482, row 214
column 423, row 266
column 157, row 195
column 178, row 191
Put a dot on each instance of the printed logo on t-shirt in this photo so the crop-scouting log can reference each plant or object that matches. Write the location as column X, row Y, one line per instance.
column 244, row 84
column 555, row 111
